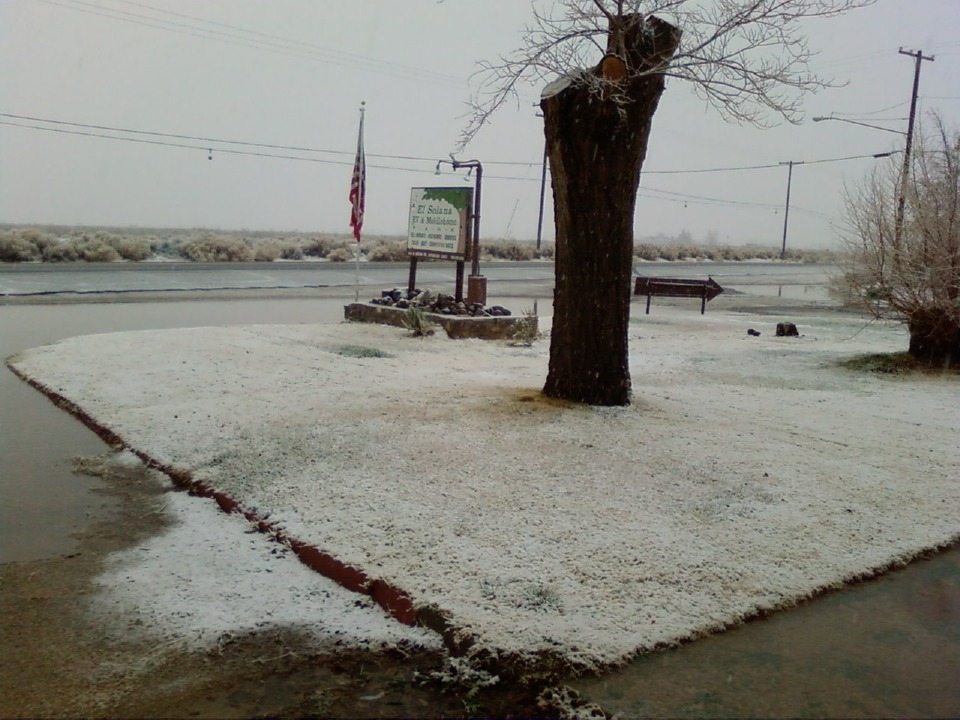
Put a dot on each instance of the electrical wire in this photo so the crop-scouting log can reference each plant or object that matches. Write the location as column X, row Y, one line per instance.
column 283, row 46
column 278, row 156
column 241, row 143
column 295, row 148
column 63, row 127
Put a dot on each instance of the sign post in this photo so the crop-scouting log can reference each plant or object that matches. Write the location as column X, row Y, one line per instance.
column 706, row 290
column 439, row 227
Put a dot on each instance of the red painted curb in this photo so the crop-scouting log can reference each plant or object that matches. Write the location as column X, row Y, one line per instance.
column 393, row 600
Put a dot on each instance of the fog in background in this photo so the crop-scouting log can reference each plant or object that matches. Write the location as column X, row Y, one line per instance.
column 292, row 74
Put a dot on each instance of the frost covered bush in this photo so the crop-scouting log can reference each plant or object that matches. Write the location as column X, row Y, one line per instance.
column 321, row 246
column 902, row 245
column 384, row 250
column 527, row 330
column 725, row 253
column 133, row 249
column 267, row 251
column 97, row 249
column 14, row 248
column 291, row 251
column 61, row 251
column 216, row 248
column 547, row 251
column 509, row 250
column 341, row 254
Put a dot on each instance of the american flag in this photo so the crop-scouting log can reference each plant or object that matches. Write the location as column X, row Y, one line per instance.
column 358, row 185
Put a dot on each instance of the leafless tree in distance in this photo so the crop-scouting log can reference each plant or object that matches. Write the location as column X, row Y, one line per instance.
column 605, row 64
column 913, row 275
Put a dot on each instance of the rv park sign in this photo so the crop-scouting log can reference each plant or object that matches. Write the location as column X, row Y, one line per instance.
column 438, row 224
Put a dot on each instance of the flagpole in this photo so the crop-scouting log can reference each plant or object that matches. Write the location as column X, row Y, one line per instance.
column 356, row 294
column 358, row 191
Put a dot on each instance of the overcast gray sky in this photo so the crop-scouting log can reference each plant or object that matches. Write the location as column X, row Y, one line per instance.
column 293, row 73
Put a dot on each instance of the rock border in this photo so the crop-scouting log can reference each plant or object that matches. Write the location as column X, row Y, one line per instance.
column 456, row 326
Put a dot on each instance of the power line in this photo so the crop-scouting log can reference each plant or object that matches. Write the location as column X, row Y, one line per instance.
column 704, row 200
column 682, row 197
column 289, row 41
column 708, row 170
column 242, row 143
column 230, row 151
column 280, row 45
column 874, row 112
column 295, row 148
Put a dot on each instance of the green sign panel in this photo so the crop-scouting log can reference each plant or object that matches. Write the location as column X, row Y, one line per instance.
column 438, row 224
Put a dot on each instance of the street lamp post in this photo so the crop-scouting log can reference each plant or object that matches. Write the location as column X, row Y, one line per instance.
column 898, row 223
column 476, row 283
column 822, row 118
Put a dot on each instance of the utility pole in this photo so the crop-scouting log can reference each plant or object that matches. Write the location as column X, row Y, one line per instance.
column 543, row 187
column 919, row 57
column 786, row 210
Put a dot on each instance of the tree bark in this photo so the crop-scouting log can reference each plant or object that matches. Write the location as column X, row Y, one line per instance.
column 934, row 336
column 596, row 145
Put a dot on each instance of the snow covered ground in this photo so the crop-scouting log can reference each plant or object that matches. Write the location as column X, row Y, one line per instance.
column 210, row 578
column 749, row 473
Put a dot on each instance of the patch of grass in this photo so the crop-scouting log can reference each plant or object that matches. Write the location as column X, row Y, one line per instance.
column 527, row 330
column 417, row 322
column 901, row 363
column 360, row 351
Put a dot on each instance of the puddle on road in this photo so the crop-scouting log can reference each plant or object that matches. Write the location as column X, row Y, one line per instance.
column 812, row 293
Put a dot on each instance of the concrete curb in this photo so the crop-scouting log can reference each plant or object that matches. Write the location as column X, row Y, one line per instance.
column 456, row 326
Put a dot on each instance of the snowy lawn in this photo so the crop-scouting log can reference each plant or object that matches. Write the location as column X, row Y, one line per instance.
column 749, row 473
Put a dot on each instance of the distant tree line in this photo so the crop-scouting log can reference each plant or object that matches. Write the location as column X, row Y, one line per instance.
column 65, row 244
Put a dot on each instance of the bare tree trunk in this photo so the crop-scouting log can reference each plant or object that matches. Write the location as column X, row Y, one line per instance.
column 934, row 336
column 596, row 148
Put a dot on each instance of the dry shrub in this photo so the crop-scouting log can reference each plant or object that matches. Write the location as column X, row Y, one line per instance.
column 14, row 248
column 727, row 253
column 340, row 254
column 509, row 250
column 291, row 251
column 548, row 251
column 387, row 251
column 417, row 322
column 267, row 251
column 96, row 249
column 216, row 248
column 322, row 246
column 128, row 248
column 61, row 251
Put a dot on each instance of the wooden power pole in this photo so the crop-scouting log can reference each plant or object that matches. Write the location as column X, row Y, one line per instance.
column 919, row 57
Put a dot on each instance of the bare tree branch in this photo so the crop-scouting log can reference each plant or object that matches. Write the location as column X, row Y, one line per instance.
column 747, row 58
column 913, row 275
